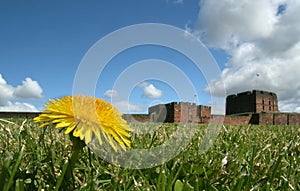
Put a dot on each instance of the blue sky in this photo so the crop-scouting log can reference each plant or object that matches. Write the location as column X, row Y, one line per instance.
column 42, row 44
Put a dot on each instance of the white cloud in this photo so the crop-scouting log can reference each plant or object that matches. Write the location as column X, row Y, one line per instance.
column 178, row 1
column 2, row 81
column 187, row 31
column 151, row 91
column 111, row 93
column 175, row 1
column 28, row 90
column 230, row 21
column 258, row 41
column 6, row 92
column 290, row 105
column 17, row 106
column 126, row 107
column 143, row 84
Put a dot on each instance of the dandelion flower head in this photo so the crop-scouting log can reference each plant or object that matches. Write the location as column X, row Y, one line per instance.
column 85, row 117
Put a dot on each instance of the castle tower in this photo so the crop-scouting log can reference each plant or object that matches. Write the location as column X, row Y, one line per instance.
column 251, row 102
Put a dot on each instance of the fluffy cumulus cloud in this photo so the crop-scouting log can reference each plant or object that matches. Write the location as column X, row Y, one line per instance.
column 263, row 42
column 150, row 91
column 28, row 90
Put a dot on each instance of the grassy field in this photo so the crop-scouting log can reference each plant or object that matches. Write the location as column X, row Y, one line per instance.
column 258, row 158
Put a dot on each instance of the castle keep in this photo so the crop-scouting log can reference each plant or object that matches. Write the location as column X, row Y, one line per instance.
column 251, row 102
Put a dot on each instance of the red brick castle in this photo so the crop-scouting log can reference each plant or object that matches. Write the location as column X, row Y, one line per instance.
column 250, row 107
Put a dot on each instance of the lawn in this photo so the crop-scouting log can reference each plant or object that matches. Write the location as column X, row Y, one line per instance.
column 241, row 158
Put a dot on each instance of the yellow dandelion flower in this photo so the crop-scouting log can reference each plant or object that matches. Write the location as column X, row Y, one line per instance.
column 85, row 117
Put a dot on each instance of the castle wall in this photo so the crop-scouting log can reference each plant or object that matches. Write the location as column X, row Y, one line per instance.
column 294, row 119
column 216, row 119
column 177, row 112
column 237, row 120
column 280, row 118
column 257, row 119
column 186, row 113
column 170, row 113
column 159, row 113
column 266, row 118
column 19, row 114
column 180, row 112
column 137, row 117
column 230, row 119
column 204, row 111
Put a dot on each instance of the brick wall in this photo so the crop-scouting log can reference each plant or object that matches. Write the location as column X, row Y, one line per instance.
column 177, row 113
column 259, row 119
column 265, row 101
column 170, row 113
column 137, row 117
column 280, row 119
column 294, row 119
column 185, row 112
column 266, row 119
column 204, row 111
column 216, row 119
column 180, row 112
column 158, row 113
column 230, row 119
column 19, row 114
column 237, row 120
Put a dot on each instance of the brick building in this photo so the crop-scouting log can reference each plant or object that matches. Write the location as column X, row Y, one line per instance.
column 251, row 102
column 180, row 112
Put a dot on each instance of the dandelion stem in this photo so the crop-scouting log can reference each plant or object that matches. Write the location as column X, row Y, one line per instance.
column 77, row 147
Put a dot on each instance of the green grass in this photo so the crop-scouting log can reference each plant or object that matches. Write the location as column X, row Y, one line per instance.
column 258, row 158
